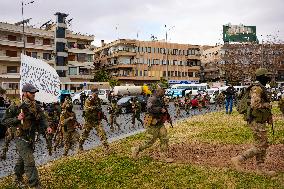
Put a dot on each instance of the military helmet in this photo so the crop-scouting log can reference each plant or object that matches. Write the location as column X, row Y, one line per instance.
column 67, row 104
column 262, row 71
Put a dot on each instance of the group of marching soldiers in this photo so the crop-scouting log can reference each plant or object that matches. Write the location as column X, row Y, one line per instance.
column 62, row 120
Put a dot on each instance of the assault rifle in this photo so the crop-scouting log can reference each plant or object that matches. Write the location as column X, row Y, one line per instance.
column 166, row 117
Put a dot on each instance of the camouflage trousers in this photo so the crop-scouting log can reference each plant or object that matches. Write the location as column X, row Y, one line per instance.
column 153, row 133
column 99, row 129
column 70, row 139
column 25, row 162
column 9, row 136
column 260, row 143
column 136, row 116
column 113, row 121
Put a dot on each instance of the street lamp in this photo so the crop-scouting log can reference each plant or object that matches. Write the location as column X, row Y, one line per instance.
column 23, row 22
column 167, row 30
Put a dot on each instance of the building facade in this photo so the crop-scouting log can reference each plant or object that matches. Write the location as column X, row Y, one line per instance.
column 40, row 43
column 139, row 62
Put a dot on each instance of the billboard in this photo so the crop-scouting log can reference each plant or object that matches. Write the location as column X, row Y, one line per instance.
column 239, row 33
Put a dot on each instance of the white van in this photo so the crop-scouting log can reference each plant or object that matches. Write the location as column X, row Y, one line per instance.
column 103, row 95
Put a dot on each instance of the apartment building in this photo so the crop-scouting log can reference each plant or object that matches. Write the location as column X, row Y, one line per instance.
column 139, row 62
column 40, row 44
column 210, row 59
column 236, row 63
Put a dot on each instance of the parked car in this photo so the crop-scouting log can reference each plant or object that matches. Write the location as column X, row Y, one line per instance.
column 103, row 95
column 124, row 104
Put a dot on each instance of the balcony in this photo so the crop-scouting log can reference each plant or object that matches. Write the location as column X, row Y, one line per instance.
column 20, row 44
column 77, row 50
column 10, row 59
column 10, row 75
column 81, row 76
column 122, row 53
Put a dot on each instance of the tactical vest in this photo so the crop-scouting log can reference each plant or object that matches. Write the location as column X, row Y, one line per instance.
column 244, row 107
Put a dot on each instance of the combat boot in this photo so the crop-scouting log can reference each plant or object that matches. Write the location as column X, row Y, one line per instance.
column 236, row 161
column 260, row 169
column 135, row 152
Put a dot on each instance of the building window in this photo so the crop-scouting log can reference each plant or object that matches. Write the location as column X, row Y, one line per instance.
column 31, row 39
column 46, row 42
column 28, row 53
column 60, row 33
column 11, row 53
column 71, row 57
column 34, row 54
column 179, row 74
column 145, row 73
column 136, row 73
column 12, row 38
column 190, row 74
column 140, row 72
column 11, row 69
column 164, row 73
column 72, row 70
column 46, row 56
column 81, row 57
column 175, row 62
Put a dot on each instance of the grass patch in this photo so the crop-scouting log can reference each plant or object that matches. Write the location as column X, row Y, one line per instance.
column 94, row 169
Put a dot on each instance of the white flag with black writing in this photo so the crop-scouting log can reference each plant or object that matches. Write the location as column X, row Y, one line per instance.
column 41, row 75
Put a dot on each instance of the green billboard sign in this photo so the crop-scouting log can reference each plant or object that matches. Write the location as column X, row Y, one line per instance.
column 239, row 33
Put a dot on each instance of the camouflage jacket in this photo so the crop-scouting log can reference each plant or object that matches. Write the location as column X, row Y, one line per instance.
column 259, row 103
column 34, row 120
column 68, row 121
column 93, row 108
column 155, row 105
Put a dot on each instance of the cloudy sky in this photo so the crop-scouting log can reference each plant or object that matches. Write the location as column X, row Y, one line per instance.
column 188, row 21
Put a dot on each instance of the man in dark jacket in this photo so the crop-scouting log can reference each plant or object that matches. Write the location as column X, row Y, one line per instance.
column 33, row 119
column 230, row 93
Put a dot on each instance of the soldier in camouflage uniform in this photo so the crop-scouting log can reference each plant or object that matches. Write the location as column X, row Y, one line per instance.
column 154, row 124
column 176, row 103
column 10, row 124
column 53, row 121
column 93, row 117
column 259, row 115
column 114, row 113
column 220, row 99
column 33, row 119
column 136, row 110
column 187, row 100
column 58, row 137
column 68, row 124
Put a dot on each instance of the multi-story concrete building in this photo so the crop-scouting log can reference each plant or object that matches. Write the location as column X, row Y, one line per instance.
column 138, row 62
column 40, row 44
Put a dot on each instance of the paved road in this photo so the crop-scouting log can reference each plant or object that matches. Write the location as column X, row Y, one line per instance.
column 41, row 154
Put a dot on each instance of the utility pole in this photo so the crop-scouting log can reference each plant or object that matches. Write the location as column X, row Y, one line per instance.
column 23, row 22
column 167, row 75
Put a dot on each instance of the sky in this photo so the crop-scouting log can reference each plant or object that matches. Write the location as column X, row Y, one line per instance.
column 196, row 22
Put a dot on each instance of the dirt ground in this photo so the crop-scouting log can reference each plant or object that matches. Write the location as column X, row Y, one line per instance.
column 220, row 155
